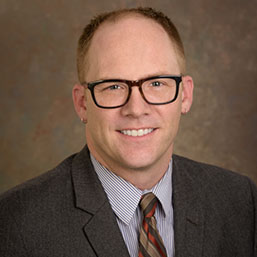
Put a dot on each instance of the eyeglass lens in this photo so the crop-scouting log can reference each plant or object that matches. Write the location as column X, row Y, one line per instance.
column 155, row 91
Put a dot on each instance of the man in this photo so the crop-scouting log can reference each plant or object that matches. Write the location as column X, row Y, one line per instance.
column 107, row 199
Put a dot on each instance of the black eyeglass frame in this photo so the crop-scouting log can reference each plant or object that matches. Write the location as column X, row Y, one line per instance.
column 132, row 83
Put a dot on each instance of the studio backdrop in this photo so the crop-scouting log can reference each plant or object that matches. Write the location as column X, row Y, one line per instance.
column 39, row 126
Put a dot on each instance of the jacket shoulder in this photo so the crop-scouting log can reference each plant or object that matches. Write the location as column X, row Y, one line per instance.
column 211, row 173
column 37, row 189
column 215, row 183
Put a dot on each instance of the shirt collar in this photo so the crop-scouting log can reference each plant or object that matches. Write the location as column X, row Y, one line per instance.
column 124, row 197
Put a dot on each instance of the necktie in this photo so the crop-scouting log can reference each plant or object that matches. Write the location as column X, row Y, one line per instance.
column 150, row 241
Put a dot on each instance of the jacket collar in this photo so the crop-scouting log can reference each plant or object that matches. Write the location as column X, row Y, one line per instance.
column 188, row 212
column 100, row 227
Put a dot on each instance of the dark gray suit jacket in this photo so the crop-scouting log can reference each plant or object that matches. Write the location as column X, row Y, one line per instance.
column 65, row 212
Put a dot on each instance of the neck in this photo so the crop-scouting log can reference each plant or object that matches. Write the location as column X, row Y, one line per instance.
column 144, row 177
column 145, row 180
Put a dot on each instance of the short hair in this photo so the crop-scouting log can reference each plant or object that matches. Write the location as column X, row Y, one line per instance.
column 90, row 29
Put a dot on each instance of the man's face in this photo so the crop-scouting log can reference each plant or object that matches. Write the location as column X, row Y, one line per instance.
column 131, row 48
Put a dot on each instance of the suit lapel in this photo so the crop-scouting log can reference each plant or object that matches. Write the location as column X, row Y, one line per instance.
column 188, row 214
column 100, row 227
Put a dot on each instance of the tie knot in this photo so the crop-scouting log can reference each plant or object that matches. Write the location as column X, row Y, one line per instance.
column 148, row 204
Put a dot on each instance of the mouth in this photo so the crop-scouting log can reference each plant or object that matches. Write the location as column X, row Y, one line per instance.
column 137, row 132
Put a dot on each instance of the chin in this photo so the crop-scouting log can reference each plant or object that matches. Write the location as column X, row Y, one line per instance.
column 138, row 163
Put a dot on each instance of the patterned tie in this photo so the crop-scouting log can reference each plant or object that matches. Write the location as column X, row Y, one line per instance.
column 150, row 241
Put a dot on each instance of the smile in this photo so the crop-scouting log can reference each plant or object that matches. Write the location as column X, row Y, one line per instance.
column 137, row 133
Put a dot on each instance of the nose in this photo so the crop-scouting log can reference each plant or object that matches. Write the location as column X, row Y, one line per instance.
column 136, row 105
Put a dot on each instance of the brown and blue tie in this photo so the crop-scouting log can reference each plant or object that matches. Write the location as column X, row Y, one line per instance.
column 150, row 241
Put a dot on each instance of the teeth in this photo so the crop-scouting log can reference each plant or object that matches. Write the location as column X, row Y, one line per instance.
column 137, row 133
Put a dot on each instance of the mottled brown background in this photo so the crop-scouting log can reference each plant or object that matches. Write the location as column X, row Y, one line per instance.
column 39, row 127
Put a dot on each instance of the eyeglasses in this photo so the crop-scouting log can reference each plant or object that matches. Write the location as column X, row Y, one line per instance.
column 114, row 93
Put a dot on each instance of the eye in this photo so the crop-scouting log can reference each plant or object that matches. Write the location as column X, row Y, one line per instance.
column 112, row 87
column 156, row 83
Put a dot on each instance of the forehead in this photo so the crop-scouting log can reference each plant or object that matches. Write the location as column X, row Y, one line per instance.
column 131, row 23
column 131, row 41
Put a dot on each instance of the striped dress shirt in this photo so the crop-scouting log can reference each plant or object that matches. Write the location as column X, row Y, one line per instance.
column 124, row 199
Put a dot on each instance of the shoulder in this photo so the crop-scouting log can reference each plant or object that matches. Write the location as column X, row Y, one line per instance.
column 30, row 207
column 46, row 188
column 207, row 171
column 215, row 182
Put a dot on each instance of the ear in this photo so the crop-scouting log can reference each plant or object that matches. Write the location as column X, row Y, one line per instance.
column 187, row 93
column 79, row 101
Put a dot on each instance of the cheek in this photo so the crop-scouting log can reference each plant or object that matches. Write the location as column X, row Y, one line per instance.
column 171, row 117
column 100, row 121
